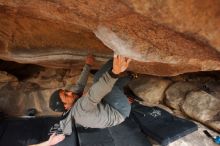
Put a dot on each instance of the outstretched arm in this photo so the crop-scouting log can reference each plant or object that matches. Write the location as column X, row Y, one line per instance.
column 53, row 140
column 104, row 84
column 82, row 81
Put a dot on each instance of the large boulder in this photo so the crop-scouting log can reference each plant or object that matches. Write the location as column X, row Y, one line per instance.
column 150, row 89
column 203, row 107
column 176, row 93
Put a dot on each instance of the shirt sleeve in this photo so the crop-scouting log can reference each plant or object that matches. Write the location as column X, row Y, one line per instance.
column 82, row 81
column 97, row 92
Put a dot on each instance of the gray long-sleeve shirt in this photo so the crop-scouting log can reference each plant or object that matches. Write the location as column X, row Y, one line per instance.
column 89, row 111
column 82, row 81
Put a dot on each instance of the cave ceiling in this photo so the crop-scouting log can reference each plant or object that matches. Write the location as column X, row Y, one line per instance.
column 164, row 38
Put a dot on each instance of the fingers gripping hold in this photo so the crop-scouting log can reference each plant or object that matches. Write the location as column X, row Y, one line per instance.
column 120, row 64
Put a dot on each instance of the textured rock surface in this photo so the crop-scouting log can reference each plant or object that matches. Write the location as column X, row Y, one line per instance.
column 199, row 19
column 203, row 107
column 150, row 89
column 5, row 77
column 176, row 93
column 18, row 96
column 163, row 37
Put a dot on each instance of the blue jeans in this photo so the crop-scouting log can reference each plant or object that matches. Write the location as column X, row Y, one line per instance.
column 116, row 97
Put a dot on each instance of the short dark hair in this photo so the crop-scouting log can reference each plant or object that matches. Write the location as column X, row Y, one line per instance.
column 55, row 102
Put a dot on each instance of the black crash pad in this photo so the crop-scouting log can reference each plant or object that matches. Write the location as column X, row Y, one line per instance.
column 22, row 132
column 161, row 125
column 70, row 140
column 125, row 134
column 153, row 121
column 26, row 131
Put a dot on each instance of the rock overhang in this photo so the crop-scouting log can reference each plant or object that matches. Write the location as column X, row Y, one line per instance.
column 60, row 34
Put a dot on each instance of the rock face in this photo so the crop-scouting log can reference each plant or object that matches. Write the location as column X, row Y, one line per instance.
column 164, row 38
column 16, row 97
column 203, row 107
column 177, row 92
column 198, row 19
column 150, row 89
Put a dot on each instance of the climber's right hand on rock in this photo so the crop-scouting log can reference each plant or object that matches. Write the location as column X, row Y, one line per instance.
column 120, row 64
